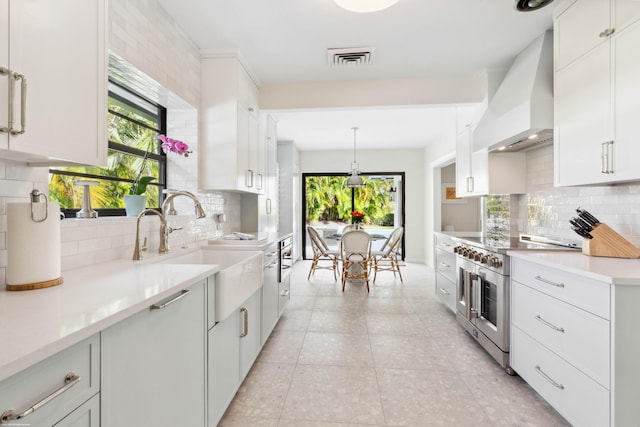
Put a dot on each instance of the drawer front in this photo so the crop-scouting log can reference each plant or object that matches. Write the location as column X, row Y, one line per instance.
column 283, row 293
column 28, row 387
column 588, row 294
column 211, row 300
column 446, row 291
column 87, row 415
column 582, row 401
column 579, row 337
column 446, row 264
column 444, row 242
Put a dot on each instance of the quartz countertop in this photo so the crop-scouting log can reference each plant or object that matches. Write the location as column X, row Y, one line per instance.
column 262, row 241
column 38, row 323
column 617, row 271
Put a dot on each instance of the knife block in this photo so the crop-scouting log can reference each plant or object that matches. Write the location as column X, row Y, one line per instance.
column 607, row 243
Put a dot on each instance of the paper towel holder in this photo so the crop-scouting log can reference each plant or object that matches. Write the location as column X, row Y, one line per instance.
column 35, row 198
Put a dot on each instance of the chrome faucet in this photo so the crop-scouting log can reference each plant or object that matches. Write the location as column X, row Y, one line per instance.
column 164, row 227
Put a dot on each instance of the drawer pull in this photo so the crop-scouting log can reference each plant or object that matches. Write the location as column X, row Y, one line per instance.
column 444, row 291
column 444, row 264
column 549, row 282
column 445, row 244
column 70, row 380
column 182, row 293
column 551, row 325
column 245, row 322
column 548, row 378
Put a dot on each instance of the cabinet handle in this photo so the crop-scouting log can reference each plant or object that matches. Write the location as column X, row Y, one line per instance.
column 445, row 244
column 609, row 157
column 23, row 102
column 248, row 178
column 245, row 322
column 268, row 201
column 444, row 291
column 549, row 324
column 273, row 264
column 445, row 265
column 549, row 282
column 607, row 32
column 469, row 184
column 259, row 185
column 6, row 72
column 284, row 293
column 548, row 378
column 70, row 380
column 182, row 294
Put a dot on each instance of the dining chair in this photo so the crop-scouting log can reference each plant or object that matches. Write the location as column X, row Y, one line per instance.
column 386, row 259
column 321, row 252
column 355, row 249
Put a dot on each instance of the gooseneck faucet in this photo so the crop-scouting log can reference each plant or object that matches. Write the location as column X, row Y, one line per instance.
column 164, row 227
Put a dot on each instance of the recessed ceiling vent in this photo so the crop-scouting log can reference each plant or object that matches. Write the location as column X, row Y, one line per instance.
column 351, row 56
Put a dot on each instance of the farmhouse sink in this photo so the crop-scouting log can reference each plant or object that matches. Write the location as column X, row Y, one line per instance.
column 240, row 275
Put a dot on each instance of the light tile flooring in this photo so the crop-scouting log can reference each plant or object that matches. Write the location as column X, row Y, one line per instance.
column 394, row 357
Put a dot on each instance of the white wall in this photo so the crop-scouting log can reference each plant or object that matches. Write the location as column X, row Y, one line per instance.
column 409, row 161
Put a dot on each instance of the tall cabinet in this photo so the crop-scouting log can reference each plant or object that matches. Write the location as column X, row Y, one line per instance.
column 58, row 51
column 229, row 149
column 597, row 92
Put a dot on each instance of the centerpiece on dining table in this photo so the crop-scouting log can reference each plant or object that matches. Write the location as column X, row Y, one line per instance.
column 357, row 218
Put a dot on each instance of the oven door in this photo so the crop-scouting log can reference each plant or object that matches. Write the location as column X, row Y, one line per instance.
column 491, row 306
column 465, row 281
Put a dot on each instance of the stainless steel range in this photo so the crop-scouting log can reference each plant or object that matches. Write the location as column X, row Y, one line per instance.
column 483, row 287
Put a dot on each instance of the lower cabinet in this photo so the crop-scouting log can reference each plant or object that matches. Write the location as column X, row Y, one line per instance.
column 153, row 364
column 71, row 376
column 445, row 266
column 270, row 312
column 233, row 346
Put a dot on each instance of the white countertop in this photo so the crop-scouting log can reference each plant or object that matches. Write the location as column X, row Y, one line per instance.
column 617, row 271
column 38, row 323
column 260, row 243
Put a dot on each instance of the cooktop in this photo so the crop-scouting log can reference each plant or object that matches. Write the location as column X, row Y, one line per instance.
column 502, row 244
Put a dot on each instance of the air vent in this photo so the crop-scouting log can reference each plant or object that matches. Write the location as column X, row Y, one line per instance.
column 351, row 56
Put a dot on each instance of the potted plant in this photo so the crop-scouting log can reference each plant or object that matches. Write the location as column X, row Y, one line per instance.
column 136, row 200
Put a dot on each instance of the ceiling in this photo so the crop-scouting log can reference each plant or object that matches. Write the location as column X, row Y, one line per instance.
column 286, row 41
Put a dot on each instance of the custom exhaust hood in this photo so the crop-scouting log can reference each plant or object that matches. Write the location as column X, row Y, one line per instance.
column 522, row 106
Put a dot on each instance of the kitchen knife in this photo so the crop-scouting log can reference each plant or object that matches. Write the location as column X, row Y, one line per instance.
column 582, row 233
column 586, row 216
column 581, row 223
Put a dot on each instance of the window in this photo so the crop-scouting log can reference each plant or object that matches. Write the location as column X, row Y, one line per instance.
column 134, row 151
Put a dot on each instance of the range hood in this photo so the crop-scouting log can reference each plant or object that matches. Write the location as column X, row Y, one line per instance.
column 522, row 106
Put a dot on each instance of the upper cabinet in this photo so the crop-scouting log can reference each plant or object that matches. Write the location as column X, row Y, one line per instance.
column 480, row 173
column 597, row 92
column 268, row 201
column 53, row 80
column 229, row 148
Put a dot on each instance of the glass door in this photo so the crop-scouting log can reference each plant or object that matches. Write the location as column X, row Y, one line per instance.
column 328, row 205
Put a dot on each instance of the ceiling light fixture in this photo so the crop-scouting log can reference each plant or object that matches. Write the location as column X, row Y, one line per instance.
column 354, row 180
column 365, row 6
column 531, row 5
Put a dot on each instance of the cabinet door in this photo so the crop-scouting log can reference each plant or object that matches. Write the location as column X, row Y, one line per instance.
column 582, row 119
column 250, row 332
column 4, row 79
column 625, row 12
column 242, row 150
column 87, row 415
column 577, row 30
column 626, row 98
column 223, row 368
column 59, row 48
column 270, row 312
column 464, row 179
column 254, row 166
column 153, row 365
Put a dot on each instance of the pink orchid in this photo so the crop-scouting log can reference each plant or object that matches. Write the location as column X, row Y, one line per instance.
column 174, row 146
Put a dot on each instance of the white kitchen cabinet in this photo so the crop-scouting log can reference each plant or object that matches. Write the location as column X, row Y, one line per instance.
column 445, row 266
column 87, row 415
column 229, row 128
column 268, row 201
column 250, row 332
column 153, row 364
column 73, row 372
column 573, row 337
column 270, row 313
column 596, row 97
column 479, row 173
column 58, row 51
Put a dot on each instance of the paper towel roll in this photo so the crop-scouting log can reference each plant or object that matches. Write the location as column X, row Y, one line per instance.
column 33, row 248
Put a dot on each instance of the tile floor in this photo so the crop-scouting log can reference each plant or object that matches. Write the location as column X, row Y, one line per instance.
column 395, row 357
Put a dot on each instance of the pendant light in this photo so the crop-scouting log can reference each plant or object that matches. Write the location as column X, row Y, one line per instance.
column 365, row 6
column 531, row 5
column 354, row 180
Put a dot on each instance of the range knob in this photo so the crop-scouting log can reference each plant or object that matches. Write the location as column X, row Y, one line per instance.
column 457, row 249
column 494, row 261
column 471, row 254
column 482, row 258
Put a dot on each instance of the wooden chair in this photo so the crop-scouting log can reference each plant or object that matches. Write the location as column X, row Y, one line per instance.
column 355, row 248
column 386, row 259
column 321, row 252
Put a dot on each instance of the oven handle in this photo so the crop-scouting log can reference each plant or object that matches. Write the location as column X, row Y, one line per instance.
column 469, row 278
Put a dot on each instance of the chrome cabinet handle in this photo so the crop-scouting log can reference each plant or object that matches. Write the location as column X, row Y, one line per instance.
column 245, row 322
column 444, row 291
column 259, row 185
column 273, row 264
column 248, row 178
column 268, row 202
column 23, row 103
column 548, row 378
column 7, row 72
column 549, row 282
column 445, row 265
column 469, row 184
column 182, row 294
column 606, row 157
column 607, row 32
column 70, row 380
column 445, row 244
column 284, row 293
column 549, row 324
